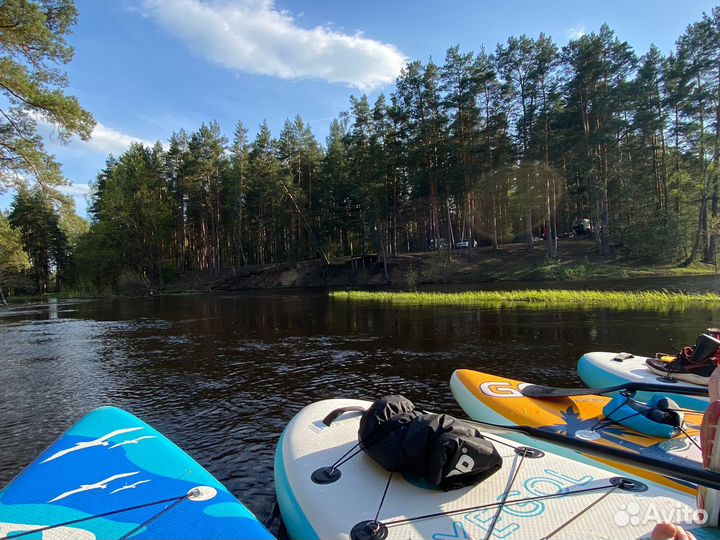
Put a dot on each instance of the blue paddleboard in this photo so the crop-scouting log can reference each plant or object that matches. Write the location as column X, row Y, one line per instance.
column 113, row 476
column 600, row 369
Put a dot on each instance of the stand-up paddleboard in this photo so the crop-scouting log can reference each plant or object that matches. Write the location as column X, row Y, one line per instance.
column 598, row 369
column 113, row 476
column 535, row 494
column 498, row 400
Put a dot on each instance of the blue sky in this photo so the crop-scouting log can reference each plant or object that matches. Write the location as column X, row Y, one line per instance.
column 146, row 68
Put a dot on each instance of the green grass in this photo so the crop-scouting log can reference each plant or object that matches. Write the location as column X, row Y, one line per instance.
column 542, row 299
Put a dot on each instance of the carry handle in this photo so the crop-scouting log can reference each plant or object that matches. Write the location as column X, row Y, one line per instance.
column 330, row 418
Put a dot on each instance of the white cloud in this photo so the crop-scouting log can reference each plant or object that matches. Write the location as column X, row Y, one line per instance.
column 107, row 140
column 104, row 140
column 76, row 190
column 257, row 37
column 576, row 32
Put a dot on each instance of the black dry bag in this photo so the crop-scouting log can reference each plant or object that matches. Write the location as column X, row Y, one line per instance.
column 437, row 448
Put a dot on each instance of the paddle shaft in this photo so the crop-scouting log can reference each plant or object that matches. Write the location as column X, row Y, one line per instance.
column 539, row 391
column 696, row 476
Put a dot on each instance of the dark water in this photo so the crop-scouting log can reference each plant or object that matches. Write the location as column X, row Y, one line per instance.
column 221, row 374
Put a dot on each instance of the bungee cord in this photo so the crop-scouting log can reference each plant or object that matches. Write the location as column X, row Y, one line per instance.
column 509, row 502
column 378, row 529
column 153, row 518
column 580, row 513
column 521, row 453
column 174, row 500
column 382, row 500
column 505, row 494
column 689, row 438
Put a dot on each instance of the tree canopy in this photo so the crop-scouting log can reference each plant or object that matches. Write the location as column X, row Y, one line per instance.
column 32, row 50
column 486, row 148
column 12, row 257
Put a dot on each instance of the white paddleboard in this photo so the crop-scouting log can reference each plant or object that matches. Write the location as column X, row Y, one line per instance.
column 599, row 369
column 544, row 497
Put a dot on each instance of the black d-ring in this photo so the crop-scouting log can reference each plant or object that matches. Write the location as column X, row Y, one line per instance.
column 326, row 475
column 526, row 451
column 369, row 530
column 628, row 484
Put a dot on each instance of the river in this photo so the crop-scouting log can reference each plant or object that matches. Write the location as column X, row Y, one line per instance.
column 221, row 374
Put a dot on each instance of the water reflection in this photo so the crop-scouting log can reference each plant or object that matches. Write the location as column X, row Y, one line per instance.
column 222, row 374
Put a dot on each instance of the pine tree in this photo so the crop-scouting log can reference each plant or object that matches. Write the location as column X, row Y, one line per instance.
column 13, row 258
column 205, row 169
column 32, row 41
column 176, row 159
column 335, row 188
column 461, row 84
column 133, row 216
column 32, row 213
column 598, row 92
column 237, row 174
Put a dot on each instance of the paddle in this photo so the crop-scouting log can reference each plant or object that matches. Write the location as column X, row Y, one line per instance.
column 656, row 465
column 539, row 391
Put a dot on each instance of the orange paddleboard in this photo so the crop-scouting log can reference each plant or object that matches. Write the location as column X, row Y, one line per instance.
column 498, row 400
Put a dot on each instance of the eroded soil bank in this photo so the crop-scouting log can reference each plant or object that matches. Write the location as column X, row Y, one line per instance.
column 576, row 261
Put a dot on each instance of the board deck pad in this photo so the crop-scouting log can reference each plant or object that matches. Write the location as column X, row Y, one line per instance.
column 114, row 464
column 598, row 369
column 561, row 498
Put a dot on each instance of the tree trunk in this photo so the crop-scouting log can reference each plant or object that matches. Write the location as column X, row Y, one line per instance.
column 549, row 228
column 240, row 256
column 451, row 235
column 381, row 231
column 528, row 215
column 494, row 222
column 344, row 239
column 161, row 278
column 711, row 255
column 553, row 216
column 605, row 231
column 698, row 233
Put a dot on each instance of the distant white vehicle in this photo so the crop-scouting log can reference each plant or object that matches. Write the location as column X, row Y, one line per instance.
column 465, row 244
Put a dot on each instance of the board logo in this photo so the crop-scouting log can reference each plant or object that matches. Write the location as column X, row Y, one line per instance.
column 502, row 389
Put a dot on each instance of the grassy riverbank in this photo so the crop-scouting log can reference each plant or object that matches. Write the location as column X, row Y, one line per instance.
column 645, row 300
column 577, row 260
